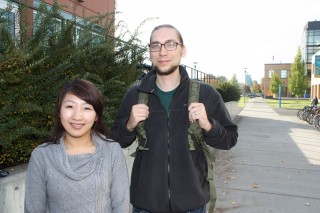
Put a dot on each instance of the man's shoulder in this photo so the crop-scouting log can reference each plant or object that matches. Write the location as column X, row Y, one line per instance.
column 132, row 90
column 208, row 92
column 206, row 87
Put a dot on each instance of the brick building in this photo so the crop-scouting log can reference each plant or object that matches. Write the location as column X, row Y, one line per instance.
column 69, row 9
column 280, row 70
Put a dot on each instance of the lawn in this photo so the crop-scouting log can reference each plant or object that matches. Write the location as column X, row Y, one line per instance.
column 289, row 104
column 242, row 102
column 285, row 103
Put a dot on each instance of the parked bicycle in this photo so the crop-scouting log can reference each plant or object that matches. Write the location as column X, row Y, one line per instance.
column 302, row 113
column 310, row 114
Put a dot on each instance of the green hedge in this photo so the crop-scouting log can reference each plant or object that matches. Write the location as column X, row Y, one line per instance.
column 229, row 92
column 33, row 68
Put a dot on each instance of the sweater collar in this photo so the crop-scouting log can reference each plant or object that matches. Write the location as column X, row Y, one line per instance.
column 77, row 167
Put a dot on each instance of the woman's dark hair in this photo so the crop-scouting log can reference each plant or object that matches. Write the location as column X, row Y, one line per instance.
column 86, row 91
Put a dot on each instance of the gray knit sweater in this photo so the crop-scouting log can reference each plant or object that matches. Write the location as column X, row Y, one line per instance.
column 84, row 183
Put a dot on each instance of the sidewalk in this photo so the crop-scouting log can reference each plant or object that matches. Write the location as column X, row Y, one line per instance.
column 275, row 167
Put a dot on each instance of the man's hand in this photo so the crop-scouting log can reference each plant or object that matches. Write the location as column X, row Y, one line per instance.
column 139, row 112
column 197, row 111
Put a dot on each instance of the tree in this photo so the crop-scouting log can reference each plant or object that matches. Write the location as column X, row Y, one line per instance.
column 235, row 83
column 247, row 89
column 262, row 85
column 234, row 80
column 212, row 80
column 221, row 79
column 298, row 81
column 256, row 87
column 274, row 83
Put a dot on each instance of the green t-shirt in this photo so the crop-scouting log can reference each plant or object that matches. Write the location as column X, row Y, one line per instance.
column 165, row 97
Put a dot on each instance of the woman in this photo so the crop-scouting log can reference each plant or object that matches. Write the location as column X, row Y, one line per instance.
column 78, row 170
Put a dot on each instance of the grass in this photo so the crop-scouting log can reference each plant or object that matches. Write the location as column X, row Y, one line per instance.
column 289, row 104
column 285, row 103
column 242, row 102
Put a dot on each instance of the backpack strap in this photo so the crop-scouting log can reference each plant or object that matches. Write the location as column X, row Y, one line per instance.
column 141, row 133
column 194, row 128
column 195, row 131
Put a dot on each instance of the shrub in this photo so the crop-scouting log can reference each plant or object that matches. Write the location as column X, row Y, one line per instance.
column 229, row 92
column 32, row 72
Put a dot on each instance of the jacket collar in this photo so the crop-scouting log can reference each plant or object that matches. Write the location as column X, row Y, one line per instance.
column 148, row 83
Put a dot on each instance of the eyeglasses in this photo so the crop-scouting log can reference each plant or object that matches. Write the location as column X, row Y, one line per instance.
column 169, row 45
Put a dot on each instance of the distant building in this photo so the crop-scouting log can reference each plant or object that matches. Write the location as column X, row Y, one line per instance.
column 310, row 43
column 280, row 70
column 78, row 9
column 315, row 75
column 249, row 80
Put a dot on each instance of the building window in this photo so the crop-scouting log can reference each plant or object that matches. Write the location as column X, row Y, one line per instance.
column 9, row 19
column 8, row 16
column 317, row 66
column 271, row 72
column 312, row 44
column 284, row 74
column 96, row 34
column 78, row 34
column 67, row 18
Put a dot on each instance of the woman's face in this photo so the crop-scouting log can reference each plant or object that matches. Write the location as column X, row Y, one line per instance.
column 77, row 116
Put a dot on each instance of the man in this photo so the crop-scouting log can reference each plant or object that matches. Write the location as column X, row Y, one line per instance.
column 166, row 175
column 314, row 101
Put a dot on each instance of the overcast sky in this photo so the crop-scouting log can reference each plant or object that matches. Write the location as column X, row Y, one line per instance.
column 224, row 37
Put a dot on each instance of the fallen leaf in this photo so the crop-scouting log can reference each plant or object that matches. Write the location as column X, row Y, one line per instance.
column 255, row 185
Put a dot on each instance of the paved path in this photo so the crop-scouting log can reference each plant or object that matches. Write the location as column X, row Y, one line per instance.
column 275, row 167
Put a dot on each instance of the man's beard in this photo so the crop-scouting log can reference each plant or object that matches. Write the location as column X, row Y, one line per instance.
column 166, row 72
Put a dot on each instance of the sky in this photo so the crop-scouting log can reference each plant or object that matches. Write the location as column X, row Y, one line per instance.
column 227, row 37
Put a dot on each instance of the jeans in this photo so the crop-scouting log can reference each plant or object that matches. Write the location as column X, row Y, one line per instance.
column 201, row 210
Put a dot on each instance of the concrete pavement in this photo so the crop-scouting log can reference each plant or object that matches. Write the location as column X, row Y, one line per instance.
column 275, row 167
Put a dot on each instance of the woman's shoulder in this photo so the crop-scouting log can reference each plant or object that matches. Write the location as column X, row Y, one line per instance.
column 107, row 142
column 47, row 145
column 41, row 150
column 113, row 144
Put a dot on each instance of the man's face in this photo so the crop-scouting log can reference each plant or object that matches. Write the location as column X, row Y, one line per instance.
column 166, row 61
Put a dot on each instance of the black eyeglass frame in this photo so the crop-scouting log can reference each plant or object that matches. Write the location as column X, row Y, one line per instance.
column 164, row 45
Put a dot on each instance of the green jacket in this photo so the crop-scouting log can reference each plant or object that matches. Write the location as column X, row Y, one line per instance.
column 168, row 177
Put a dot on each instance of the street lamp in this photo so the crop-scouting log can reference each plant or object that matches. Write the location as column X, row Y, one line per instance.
column 195, row 69
column 245, row 82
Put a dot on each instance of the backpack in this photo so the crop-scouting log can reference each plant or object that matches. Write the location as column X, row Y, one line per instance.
column 193, row 130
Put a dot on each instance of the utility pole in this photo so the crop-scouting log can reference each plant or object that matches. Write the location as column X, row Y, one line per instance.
column 195, row 70
column 245, row 82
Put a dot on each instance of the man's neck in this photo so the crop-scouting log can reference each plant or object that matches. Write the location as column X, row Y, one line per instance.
column 168, row 82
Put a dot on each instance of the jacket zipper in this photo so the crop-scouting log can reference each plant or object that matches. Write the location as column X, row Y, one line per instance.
column 168, row 142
